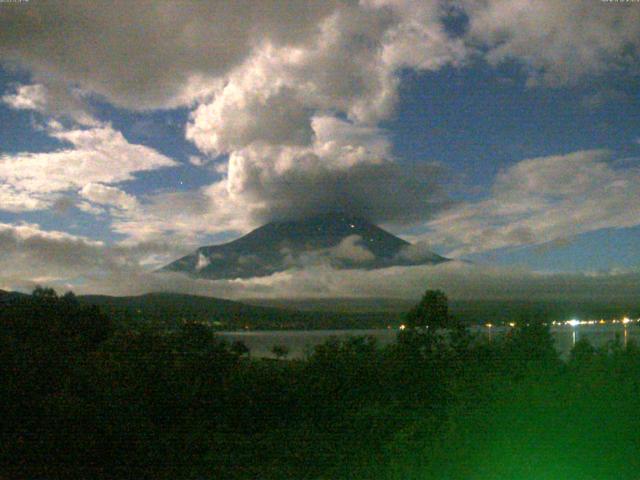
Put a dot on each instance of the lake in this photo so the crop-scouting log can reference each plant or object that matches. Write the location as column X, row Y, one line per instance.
column 302, row 342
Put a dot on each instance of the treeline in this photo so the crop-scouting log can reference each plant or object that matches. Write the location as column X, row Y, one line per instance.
column 172, row 309
column 84, row 396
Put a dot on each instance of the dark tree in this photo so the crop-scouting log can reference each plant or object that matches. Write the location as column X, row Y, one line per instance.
column 533, row 344
column 280, row 351
column 70, row 299
column 240, row 348
column 432, row 311
column 582, row 353
column 195, row 336
column 44, row 294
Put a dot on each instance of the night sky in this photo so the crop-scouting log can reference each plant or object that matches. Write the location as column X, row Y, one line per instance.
column 131, row 134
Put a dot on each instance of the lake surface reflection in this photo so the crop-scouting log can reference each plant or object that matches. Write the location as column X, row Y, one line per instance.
column 302, row 342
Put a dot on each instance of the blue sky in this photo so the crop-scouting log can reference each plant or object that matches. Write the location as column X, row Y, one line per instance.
column 519, row 139
column 479, row 120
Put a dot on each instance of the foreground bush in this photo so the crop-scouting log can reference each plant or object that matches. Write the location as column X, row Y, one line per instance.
column 82, row 397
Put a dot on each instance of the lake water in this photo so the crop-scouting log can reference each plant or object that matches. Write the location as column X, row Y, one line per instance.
column 302, row 342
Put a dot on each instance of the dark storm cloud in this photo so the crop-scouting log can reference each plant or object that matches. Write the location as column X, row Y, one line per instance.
column 147, row 53
column 384, row 192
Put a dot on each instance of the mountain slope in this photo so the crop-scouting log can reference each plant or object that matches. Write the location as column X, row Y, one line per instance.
column 341, row 240
column 7, row 297
column 173, row 308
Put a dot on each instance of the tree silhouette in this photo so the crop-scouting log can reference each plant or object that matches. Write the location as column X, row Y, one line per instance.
column 196, row 336
column 240, row 348
column 280, row 351
column 44, row 294
column 431, row 312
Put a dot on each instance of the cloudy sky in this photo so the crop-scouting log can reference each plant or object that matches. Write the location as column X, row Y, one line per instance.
column 505, row 132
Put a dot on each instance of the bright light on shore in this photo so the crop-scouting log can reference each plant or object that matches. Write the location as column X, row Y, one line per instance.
column 573, row 322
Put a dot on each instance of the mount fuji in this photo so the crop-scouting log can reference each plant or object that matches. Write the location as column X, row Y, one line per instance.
column 343, row 241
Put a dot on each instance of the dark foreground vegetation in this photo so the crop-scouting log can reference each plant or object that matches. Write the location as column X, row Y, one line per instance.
column 83, row 396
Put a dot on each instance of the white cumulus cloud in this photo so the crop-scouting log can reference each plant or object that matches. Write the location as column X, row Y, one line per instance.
column 106, row 195
column 558, row 42
column 351, row 249
column 541, row 200
column 90, row 156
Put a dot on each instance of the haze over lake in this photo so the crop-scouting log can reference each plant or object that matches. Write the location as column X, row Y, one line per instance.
column 301, row 342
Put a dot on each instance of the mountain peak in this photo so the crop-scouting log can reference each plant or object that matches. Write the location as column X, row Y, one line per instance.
column 342, row 240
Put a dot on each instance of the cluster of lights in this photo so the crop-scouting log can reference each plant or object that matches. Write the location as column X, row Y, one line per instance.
column 572, row 323
column 575, row 322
